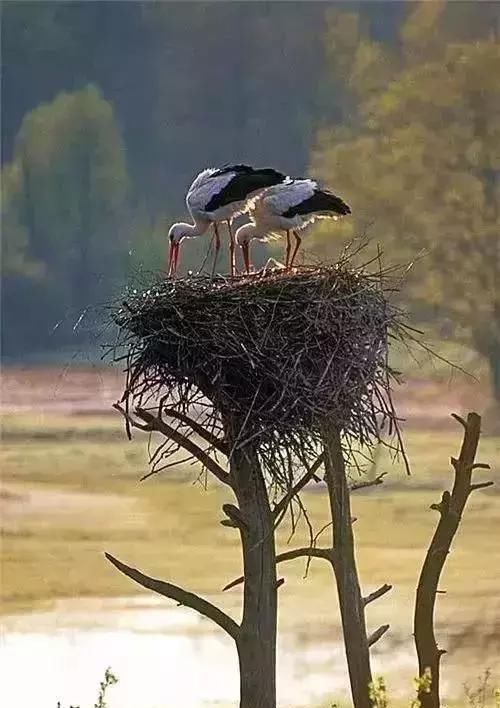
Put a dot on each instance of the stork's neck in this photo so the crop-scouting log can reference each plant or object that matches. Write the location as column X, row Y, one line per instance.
column 247, row 232
column 198, row 228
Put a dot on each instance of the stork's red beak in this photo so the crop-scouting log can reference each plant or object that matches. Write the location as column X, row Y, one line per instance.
column 245, row 247
column 173, row 258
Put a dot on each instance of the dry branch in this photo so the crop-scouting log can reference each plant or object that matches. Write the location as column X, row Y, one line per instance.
column 324, row 553
column 160, row 426
column 282, row 505
column 183, row 597
column 450, row 509
column 377, row 634
column 198, row 428
column 382, row 590
column 379, row 479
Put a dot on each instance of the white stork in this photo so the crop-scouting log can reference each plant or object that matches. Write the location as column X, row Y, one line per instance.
column 290, row 206
column 219, row 195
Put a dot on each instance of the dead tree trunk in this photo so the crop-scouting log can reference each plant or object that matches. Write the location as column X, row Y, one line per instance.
column 255, row 636
column 256, row 641
column 450, row 509
column 344, row 566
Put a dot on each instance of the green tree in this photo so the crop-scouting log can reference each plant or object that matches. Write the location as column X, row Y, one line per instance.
column 63, row 198
column 420, row 161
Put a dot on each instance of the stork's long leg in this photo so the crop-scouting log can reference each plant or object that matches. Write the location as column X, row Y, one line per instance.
column 287, row 256
column 298, row 241
column 209, row 248
column 217, row 247
column 232, row 260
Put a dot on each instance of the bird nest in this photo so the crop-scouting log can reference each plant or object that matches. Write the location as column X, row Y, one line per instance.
column 279, row 353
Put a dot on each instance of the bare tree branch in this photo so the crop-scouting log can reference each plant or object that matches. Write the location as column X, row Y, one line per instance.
column 480, row 485
column 282, row 505
column 183, row 597
column 130, row 422
column 325, row 553
column 382, row 590
column 206, row 435
column 153, row 423
column 155, row 470
column 458, row 418
column 160, row 426
column 379, row 479
column 377, row 634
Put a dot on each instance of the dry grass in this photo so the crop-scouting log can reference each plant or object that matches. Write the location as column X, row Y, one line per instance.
column 171, row 529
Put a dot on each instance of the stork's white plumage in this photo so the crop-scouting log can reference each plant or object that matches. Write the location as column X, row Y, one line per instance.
column 218, row 195
column 290, row 206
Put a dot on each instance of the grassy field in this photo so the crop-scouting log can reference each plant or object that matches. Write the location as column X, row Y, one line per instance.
column 70, row 491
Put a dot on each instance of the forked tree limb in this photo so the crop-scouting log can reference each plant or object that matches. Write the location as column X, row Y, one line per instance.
column 181, row 596
column 325, row 553
column 450, row 510
column 153, row 423
column 161, row 427
column 198, row 428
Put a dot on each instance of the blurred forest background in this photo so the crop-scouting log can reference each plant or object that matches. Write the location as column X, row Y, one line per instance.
column 109, row 109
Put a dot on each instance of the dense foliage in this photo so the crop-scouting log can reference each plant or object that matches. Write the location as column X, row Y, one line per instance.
column 418, row 155
column 109, row 109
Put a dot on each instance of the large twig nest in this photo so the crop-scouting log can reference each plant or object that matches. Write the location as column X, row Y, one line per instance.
column 278, row 353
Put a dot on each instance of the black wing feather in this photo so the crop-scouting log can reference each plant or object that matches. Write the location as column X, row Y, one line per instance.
column 320, row 202
column 243, row 184
column 245, row 169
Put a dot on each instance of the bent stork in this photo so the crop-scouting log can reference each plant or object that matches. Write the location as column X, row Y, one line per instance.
column 219, row 195
column 290, row 206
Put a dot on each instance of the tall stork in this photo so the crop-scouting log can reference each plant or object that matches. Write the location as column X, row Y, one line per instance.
column 287, row 207
column 218, row 195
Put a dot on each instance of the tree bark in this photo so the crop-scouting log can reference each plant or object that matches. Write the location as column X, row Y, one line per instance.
column 255, row 637
column 450, row 509
column 344, row 566
column 256, row 642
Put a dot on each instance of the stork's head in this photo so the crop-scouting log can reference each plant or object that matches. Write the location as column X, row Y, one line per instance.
column 243, row 236
column 176, row 234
